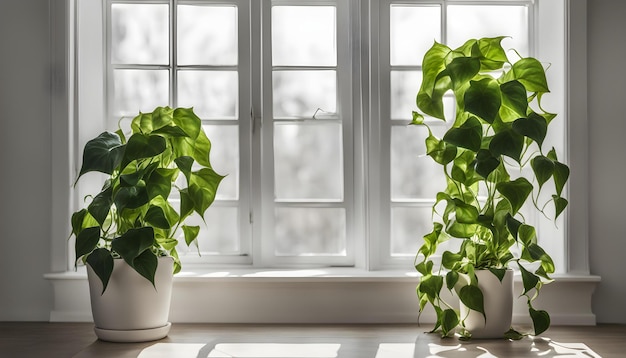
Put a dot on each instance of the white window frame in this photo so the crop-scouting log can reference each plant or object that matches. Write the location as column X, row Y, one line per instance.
column 344, row 117
column 383, row 296
column 369, row 241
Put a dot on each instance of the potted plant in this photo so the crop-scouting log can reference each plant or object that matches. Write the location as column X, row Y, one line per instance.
column 128, row 233
column 494, row 142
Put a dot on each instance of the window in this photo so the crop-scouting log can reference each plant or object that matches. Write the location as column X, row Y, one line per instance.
column 307, row 105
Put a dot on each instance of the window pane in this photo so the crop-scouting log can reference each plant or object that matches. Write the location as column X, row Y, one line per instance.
column 310, row 231
column 225, row 158
column 413, row 30
column 301, row 93
column 476, row 21
column 220, row 234
column 139, row 34
column 413, row 174
column 408, row 226
column 207, row 35
column 308, row 161
column 404, row 87
column 304, row 35
column 212, row 94
column 139, row 90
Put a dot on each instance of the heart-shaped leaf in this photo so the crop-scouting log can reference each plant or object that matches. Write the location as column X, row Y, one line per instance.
column 101, row 263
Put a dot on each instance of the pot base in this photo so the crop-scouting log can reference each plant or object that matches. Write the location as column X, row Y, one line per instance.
column 136, row 335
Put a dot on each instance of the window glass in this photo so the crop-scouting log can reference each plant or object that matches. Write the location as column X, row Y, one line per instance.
column 310, row 231
column 476, row 21
column 413, row 30
column 304, row 36
column 212, row 94
column 301, row 93
column 207, row 35
column 308, row 161
column 139, row 34
column 139, row 90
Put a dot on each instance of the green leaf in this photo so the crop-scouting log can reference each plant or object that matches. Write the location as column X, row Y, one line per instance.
column 449, row 259
column 527, row 235
column 543, row 168
column 186, row 204
column 472, row 297
column 161, row 117
column 507, row 142
column 515, row 192
column 498, row 272
column 101, row 204
column 514, row 98
column 531, row 74
column 492, row 55
column 185, row 163
column 142, row 146
column 424, row 267
column 159, row 183
column 131, row 197
column 513, row 335
column 486, row 163
column 86, row 241
column 133, row 242
column 146, row 265
column 513, row 225
column 461, row 70
column 461, row 231
column 452, row 277
column 156, row 217
column 534, row 127
column 483, row 99
column 170, row 131
column 431, row 286
column 202, row 149
column 468, row 135
column 529, row 279
column 449, row 321
column 103, row 154
column 78, row 219
column 559, row 204
column 188, row 121
column 561, row 174
column 541, row 320
column 429, row 245
column 430, row 95
column 191, row 233
column 203, row 187
column 441, row 152
column 101, row 263
column 465, row 213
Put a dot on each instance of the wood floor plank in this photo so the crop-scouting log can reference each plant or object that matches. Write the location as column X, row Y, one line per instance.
column 28, row 339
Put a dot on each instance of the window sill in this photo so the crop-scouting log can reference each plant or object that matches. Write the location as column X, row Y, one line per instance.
column 324, row 295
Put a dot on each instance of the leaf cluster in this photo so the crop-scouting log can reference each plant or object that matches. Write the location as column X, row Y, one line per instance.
column 499, row 123
column 131, row 217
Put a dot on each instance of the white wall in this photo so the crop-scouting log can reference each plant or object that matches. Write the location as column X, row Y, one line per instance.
column 25, row 166
column 607, row 146
column 25, row 127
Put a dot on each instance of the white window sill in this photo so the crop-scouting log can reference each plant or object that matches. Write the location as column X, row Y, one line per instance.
column 324, row 295
column 332, row 274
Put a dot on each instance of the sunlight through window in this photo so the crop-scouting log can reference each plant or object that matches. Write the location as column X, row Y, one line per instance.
column 241, row 350
column 275, row 350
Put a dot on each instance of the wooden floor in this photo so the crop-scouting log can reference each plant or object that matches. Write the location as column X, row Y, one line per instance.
column 303, row 341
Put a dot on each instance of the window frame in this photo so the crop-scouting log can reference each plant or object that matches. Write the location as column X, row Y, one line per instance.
column 67, row 139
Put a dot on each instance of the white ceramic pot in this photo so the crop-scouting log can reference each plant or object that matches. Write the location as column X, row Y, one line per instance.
column 131, row 309
column 498, row 302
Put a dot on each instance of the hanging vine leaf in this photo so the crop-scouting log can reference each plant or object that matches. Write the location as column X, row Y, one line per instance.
column 472, row 297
